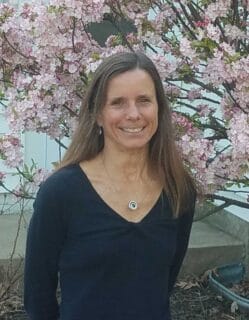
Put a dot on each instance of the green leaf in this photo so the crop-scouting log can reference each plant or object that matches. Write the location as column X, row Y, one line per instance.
column 232, row 58
column 185, row 72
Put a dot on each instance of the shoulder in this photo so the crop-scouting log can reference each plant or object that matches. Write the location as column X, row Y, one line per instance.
column 59, row 181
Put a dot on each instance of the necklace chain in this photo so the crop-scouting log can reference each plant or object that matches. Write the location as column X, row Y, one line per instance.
column 132, row 204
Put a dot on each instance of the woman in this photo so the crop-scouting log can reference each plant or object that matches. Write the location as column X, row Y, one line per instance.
column 114, row 220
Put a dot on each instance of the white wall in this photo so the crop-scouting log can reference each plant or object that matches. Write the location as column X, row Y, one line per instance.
column 41, row 149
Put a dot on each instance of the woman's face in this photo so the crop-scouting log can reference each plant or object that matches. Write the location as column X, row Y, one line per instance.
column 129, row 117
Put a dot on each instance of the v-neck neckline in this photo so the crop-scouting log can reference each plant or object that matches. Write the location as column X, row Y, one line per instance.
column 112, row 210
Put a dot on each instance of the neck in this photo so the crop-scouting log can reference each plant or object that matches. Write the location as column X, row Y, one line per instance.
column 126, row 166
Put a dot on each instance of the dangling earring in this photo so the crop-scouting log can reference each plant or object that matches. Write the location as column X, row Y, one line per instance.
column 100, row 131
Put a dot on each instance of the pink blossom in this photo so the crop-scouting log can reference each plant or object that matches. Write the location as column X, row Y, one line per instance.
column 172, row 90
column 204, row 110
column 213, row 32
column 164, row 65
column 2, row 176
column 163, row 18
column 186, row 48
column 183, row 124
column 217, row 70
column 196, row 153
column 216, row 9
column 233, row 32
column 202, row 24
column 10, row 151
column 238, row 134
column 194, row 93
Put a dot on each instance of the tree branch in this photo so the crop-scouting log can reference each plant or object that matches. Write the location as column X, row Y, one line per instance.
column 207, row 87
column 60, row 143
column 73, row 34
column 4, row 105
column 15, row 49
column 228, row 201
column 236, row 191
column 190, row 19
column 201, row 98
column 245, row 180
column 192, row 6
column 201, row 84
column 217, row 154
column 15, row 193
column 215, row 125
column 182, row 21
column 149, row 46
column 72, row 113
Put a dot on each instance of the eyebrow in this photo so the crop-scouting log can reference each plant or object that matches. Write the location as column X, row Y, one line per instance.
column 148, row 96
column 117, row 99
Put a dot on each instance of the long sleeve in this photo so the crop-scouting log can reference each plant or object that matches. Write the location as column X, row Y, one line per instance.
column 44, row 242
column 183, row 233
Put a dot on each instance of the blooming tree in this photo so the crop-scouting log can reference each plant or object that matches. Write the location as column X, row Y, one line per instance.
column 201, row 49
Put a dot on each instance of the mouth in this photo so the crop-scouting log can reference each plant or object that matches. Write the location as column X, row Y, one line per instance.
column 132, row 130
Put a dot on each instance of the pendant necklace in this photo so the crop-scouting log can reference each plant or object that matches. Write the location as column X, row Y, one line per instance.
column 132, row 204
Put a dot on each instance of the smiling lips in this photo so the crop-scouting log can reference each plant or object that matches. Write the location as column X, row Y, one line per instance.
column 132, row 130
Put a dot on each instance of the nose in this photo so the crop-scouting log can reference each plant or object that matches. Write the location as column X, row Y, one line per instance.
column 133, row 112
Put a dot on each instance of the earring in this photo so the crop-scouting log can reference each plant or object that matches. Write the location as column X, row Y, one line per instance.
column 100, row 131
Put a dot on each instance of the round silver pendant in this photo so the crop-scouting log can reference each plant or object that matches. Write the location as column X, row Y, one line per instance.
column 132, row 205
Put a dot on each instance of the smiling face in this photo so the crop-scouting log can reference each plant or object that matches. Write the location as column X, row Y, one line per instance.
column 129, row 117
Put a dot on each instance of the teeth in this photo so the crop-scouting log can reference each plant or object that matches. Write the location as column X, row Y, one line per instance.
column 132, row 129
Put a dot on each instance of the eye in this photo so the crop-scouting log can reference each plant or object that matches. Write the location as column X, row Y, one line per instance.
column 144, row 100
column 117, row 103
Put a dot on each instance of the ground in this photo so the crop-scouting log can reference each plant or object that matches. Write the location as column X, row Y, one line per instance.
column 191, row 300
column 203, row 304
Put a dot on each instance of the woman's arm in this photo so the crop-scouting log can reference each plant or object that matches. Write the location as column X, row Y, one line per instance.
column 44, row 242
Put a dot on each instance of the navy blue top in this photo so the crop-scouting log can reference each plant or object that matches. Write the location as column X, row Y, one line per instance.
column 109, row 268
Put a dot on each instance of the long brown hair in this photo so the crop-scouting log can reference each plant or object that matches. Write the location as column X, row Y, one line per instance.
column 163, row 154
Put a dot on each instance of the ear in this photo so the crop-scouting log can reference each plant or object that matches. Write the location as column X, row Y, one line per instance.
column 99, row 120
